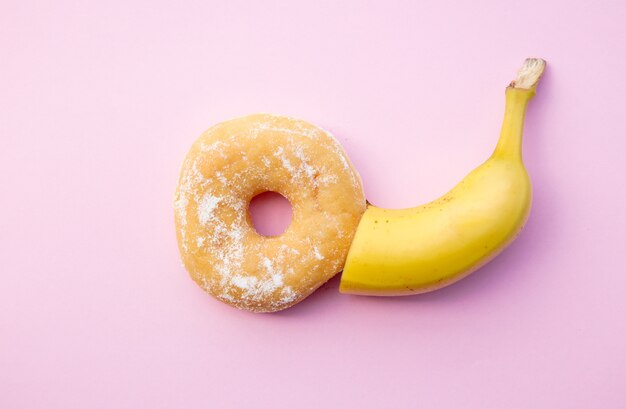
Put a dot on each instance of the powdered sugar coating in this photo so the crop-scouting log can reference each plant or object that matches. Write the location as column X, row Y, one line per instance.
column 238, row 159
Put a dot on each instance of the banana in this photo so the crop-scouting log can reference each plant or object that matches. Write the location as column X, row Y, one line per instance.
column 416, row 250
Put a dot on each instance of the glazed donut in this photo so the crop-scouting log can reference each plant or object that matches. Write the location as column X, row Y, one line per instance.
column 236, row 160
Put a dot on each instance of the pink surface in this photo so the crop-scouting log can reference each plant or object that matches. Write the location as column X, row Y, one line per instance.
column 99, row 103
column 270, row 213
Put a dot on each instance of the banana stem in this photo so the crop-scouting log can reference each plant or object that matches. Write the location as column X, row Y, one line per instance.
column 518, row 93
column 528, row 76
column 510, row 142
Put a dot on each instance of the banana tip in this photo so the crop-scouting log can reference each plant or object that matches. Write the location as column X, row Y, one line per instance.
column 529, row 74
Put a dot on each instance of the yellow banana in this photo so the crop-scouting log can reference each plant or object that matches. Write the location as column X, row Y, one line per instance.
column 409, row 251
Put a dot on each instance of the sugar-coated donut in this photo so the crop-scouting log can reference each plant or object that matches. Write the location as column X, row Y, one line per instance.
column 230, row 164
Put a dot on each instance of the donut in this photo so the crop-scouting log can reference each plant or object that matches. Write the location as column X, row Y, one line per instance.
column 236, row 160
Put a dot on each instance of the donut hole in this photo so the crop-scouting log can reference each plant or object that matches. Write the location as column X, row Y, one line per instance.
column 270, row 213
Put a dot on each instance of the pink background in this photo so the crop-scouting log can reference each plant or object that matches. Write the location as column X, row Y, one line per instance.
column 99, row 103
